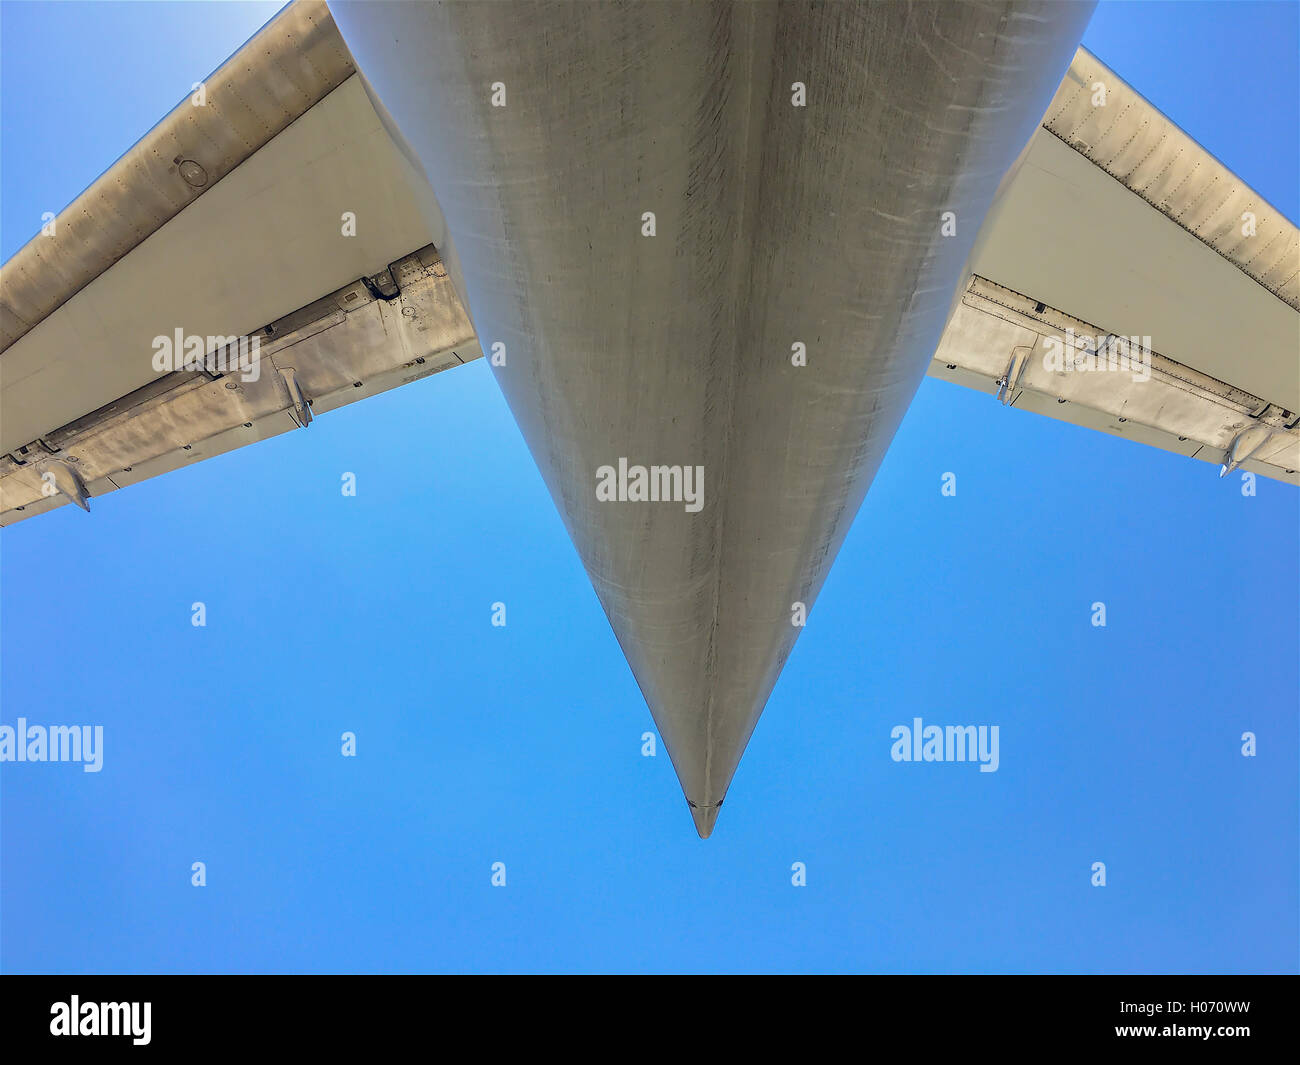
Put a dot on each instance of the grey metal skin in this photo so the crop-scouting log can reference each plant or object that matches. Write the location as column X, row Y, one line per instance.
column 775, row 225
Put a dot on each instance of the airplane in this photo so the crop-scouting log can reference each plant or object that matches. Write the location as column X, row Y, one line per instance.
column 709, row 251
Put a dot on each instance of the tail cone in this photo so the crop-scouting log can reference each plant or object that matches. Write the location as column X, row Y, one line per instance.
column 705, row 817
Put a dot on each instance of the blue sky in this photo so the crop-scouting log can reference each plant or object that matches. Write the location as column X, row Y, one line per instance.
column 522, row 745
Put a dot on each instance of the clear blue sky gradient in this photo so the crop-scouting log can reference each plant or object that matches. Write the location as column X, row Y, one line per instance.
column 522, row 745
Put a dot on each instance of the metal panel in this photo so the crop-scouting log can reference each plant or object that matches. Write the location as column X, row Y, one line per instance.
column 293, row 62
column 336, row 356
column 1127, row 138
column 264, row 241
column 1068, row 234
column 1003, row 342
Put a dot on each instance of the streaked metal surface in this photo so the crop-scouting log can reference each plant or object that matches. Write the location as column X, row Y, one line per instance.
column 292, row 63
column 344, row 347
column 775, row 225
column 1138, row 146
column 995, row 331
